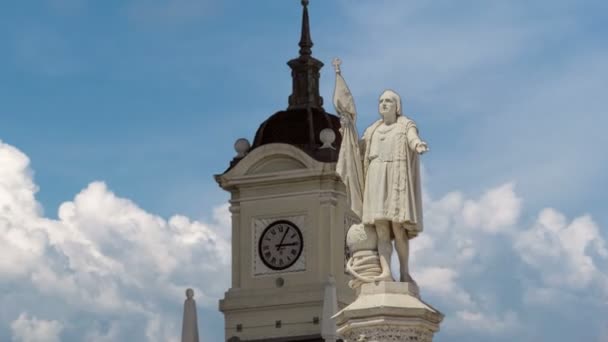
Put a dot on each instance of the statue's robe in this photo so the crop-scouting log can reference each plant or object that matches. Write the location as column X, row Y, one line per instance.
column 392, row 175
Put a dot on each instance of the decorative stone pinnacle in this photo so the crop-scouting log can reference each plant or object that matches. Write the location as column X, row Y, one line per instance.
column 336, row 63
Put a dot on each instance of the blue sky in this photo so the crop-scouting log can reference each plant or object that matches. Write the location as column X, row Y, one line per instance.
column 134, row 105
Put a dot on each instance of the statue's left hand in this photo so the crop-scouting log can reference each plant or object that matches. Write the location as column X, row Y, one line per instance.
column 422, row 147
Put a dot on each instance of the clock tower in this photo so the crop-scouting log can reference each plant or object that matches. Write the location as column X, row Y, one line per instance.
column 289, row 216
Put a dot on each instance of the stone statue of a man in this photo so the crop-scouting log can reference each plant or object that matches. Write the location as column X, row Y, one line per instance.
column 391, row 196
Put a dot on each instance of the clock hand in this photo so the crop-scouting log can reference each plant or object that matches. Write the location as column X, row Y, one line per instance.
column 288, row 244
column 283, row 238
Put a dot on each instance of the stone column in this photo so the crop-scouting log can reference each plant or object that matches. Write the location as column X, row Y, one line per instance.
column 388, row 311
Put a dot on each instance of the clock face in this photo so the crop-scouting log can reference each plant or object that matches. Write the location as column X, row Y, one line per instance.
column 280, row 245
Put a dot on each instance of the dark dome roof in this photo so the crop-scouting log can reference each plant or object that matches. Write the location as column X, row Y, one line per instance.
column 301, row 128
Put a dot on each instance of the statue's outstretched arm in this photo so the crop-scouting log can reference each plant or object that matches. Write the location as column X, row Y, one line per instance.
column 413, row 139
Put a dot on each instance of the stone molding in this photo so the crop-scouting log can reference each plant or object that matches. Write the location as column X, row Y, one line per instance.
column 387, row 312
column 389, row 334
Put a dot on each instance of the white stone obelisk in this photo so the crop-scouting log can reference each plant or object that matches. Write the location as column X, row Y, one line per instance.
column 190, row 322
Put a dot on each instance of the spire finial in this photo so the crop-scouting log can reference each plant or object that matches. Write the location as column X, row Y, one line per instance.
column 305, row 40
column 305, row 71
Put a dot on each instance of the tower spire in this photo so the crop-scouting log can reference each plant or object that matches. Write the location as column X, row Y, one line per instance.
column 305, row 71
column 305, row 40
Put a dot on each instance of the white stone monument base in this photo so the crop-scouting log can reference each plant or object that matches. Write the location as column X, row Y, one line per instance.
column 388, row 311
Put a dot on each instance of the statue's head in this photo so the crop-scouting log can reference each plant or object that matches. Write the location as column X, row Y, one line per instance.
column 189, row 293
column 389, row 103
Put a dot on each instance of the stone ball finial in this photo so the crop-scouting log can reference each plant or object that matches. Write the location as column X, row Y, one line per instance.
column 361, row 237
column 241, row 146
column 189, row 293
column 327, row 136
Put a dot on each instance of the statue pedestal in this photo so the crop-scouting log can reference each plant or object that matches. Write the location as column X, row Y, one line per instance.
column 388, row 311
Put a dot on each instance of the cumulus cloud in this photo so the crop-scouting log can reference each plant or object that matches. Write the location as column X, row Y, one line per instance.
column 471, row 262
column 442, row 282
column 110, row 335
column 103, row 256
column 498, row 209
column 564, row 253
column 456, row 248
column 26, row 329
column 21, row 245
column 496, row 325
column 457, row 226
column 109, row 268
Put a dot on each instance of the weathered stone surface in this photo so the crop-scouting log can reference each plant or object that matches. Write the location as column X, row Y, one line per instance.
column 388, row 311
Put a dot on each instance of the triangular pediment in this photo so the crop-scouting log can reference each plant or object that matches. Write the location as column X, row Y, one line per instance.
column 276, row 163
column 273, row 160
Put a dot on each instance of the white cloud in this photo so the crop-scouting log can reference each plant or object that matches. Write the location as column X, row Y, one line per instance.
column 549, row 297
column 159, row 331
column 456, row 226
column 17, row 195
column 562, row 252
column 497, row 210
column 443, row 282
column 469, row 245
column 458, row 232
column 105, row 256
column 27, row 329
column 20, row 242
column 111, row 335
column 492, row 324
